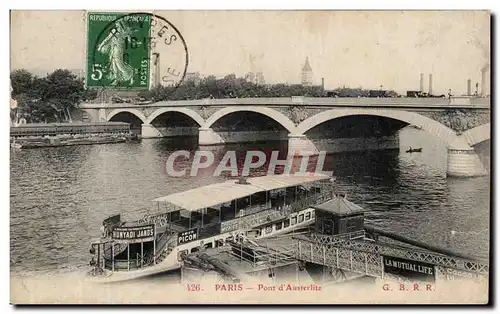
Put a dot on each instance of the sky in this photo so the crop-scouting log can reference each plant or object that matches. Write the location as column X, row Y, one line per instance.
column 346, row 48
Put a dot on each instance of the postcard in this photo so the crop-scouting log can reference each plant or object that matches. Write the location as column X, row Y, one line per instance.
column 250, row 157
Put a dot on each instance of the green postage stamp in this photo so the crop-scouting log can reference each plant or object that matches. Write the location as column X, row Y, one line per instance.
column 118, row 51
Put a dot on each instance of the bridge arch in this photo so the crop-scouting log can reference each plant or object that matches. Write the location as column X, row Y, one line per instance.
column 478, row 134
column 188, row 112
column 135, row 112
column 269, row 112
column 433, row 127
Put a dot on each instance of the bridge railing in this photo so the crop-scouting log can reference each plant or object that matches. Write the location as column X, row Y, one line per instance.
column 368, row 263
column 335, row 239
column 333, row 245
column 257, row 256
column 454, row 102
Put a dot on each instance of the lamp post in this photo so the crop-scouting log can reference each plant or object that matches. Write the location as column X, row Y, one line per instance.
column 332, row 180
column 157, row 68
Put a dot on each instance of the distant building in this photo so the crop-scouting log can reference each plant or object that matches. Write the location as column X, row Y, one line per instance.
column 256, row 78
column 259, row 78
column 250, row 77
column 306, row 78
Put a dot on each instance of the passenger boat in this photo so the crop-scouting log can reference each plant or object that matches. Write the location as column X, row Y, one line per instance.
column 205, row 218
column 59, row 142
column 414, row 150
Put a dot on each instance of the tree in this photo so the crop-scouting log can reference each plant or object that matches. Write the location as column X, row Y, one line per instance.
column 230, row 86
column 47, row 99
column 21, row 82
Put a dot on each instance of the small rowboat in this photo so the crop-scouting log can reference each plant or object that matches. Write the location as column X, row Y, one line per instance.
column 16, row 145
column 414, row 150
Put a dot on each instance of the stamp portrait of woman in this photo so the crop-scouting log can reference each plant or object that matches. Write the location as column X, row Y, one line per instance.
column 113, row 46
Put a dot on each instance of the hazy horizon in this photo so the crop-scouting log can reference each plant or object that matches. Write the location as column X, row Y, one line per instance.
column 347, row 48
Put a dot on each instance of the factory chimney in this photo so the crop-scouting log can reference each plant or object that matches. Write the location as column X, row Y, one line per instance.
column 421, row 82
column 469, row 87
column 323, row 84
column 430, row 84
column 484, row 84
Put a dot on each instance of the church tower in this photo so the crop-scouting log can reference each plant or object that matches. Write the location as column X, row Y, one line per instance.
column 306, row 77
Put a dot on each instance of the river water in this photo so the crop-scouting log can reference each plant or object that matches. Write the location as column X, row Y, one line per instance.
column 59, row 196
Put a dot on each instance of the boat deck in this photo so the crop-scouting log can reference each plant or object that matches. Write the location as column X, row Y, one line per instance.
column 240, row 261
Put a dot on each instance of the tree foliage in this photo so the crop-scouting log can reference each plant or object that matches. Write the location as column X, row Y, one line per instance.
column 46, row 99
column 232, row 87
column 229, row 87
column 21, row 81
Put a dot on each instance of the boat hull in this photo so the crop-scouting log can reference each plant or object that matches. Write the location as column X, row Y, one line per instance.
column 33, row 145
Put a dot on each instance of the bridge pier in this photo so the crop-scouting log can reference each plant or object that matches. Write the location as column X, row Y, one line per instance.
column 464, row 163
column 207, row 136
column 149, row 131
column 299, row 144
column 101, row 115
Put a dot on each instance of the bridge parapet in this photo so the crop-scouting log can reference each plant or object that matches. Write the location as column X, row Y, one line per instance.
column 400, row 102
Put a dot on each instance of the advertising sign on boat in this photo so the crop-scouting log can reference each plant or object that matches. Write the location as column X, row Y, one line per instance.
column 457, row 274
column 134, row 234
column 188, row 236
column 408, row 269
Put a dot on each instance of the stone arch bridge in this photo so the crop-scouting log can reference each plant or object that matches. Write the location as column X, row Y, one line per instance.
column 461, row 122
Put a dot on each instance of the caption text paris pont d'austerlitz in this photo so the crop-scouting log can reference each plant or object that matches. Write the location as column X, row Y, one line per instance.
column 259, row 287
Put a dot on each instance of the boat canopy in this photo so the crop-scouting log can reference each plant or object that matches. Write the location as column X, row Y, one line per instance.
column 340, row 206
column 220, row 193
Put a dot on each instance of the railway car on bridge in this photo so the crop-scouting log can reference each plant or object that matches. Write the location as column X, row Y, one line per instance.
column 378, row 93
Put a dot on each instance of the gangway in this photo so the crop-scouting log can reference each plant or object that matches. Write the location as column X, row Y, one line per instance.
column 341, row 242
column 366, row 256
